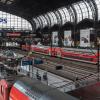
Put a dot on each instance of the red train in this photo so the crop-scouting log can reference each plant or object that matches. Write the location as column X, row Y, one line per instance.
column 63, row 53
column 17, row 87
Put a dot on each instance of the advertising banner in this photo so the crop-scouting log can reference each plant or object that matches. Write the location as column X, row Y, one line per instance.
column 85, row 38
column 67, row 38
column 55, row 38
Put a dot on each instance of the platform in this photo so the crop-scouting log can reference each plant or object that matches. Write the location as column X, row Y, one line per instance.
column 52, row 79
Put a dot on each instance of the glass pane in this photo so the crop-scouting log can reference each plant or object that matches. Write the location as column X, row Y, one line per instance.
column 63, row 16
column 78, row 11
column 48, row 20
column 51, row 18
column 37, row 23
column 67, row 15
column 58, row 18
column 40, row 22
column 72, row 14
column 54, row 17
column 84, row 10
column 90, row 11
column 11, row 21
column 98, row 6
column 44, row 21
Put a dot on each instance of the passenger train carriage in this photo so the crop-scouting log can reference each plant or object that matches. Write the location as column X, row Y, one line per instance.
column 78, row 55
column 20, row 87
column 24, row 88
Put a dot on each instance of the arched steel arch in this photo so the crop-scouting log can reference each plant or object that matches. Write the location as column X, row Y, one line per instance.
column 40, row 21
column 75, row 14
column 90, row 6
column 48, row 20
column 72, row 13
column 33, row 25
column 93, row 7
column 58, row 16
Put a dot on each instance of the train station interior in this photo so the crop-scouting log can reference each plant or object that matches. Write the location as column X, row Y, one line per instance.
column 49, row 49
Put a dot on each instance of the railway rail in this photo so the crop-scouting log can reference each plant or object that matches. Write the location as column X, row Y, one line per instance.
column 91, row 66
column 68, row 72
column 71, row 69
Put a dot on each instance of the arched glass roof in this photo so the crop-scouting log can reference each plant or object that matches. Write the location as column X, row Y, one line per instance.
column 10, row 21
column 67, row 14
column 98, row 8
column 83, row 11
column 58, row 15
column 43, row 21
column 75, row 13
column 47, row 19
column 78, row 11
column 63, row 15
column 90, row 12
column 37, row 24
column 40, row 22
column 53, row 18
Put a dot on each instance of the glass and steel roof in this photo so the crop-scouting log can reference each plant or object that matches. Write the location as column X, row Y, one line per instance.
column 74, row 13
column 14, row 22
column 83, row 11
column 98, row 8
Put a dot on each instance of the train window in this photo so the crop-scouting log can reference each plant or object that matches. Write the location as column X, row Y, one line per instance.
column 2, row 90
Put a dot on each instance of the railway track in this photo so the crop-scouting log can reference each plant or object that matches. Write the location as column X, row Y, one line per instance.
column 78, row 65
column 74, row 68
column 71, row 69
column 67, row 71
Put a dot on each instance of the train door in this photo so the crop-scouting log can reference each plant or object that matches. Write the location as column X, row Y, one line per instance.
column 3, row 92
column 58, row 52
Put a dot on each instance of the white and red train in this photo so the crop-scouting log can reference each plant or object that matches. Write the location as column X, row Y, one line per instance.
column 18, row 87
column 79, row 55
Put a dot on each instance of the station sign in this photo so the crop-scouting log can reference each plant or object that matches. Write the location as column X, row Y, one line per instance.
column 27, row 62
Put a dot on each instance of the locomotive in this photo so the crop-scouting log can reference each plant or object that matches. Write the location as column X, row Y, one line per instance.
column 18, row 87
column 62, row 53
